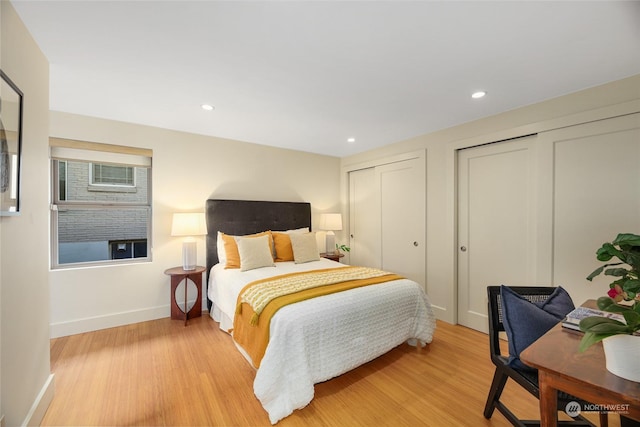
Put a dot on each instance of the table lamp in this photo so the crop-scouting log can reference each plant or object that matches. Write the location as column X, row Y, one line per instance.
column 330, row 222
column 189, row 225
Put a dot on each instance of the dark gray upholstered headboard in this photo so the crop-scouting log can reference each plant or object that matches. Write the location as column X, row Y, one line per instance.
column 239, row 217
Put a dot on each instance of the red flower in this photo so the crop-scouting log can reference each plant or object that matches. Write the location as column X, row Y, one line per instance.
column 617, row 293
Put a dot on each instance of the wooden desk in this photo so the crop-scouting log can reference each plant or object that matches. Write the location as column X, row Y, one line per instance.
column 584, row 375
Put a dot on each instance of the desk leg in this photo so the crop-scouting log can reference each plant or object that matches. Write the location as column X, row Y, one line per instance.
column 548, row 402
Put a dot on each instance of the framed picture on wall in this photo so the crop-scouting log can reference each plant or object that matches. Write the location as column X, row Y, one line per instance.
column 10, row 145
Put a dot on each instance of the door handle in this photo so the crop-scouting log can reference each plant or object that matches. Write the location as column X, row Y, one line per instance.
column 463, row 248
column 415, row 244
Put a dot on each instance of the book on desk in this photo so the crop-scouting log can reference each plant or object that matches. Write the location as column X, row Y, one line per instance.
column 572, row 320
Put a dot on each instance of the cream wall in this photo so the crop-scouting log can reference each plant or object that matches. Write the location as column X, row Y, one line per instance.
column 609, row 100
column 187, row 169
column 26, row 382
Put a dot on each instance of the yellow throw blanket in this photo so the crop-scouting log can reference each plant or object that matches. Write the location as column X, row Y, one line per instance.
column 260, row 300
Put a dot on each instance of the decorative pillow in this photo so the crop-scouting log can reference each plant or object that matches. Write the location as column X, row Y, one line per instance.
column 525, row 322
column 304, row 247
column 282, row 243
column 298, row 230
column 231, row 248
column 255, row 252
column 559, row 303
column 222, row 256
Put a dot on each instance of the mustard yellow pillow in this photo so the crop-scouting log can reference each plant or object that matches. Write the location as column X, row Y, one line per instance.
column 231, row 247
column 282, row 243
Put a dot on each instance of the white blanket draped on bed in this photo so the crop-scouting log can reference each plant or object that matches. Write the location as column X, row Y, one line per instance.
column 318, row 339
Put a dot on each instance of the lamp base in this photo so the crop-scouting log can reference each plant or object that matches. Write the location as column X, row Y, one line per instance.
column 189, row 256
column 330, row 242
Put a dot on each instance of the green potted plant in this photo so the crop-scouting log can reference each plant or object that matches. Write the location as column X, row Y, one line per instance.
column 623, row 298
column 342, row 248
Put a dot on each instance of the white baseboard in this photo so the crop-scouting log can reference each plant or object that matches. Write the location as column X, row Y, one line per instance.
column 41, row 404
column 443, row 314
column 88, row 324
column 112, row 320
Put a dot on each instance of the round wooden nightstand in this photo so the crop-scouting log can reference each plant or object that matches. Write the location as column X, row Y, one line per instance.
column 177, row 275
column 333, row 256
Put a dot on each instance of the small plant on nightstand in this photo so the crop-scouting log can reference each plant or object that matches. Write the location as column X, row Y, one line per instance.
column 344, row 248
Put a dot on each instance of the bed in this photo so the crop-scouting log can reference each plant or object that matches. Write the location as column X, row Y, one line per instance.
column 315, row 339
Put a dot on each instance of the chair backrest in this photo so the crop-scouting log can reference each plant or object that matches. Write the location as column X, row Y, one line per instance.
column 531, row 293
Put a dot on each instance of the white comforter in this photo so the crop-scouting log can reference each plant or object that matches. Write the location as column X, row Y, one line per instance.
column 318, row 339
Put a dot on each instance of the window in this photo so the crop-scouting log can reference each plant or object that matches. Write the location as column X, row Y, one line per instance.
column 101, row 212
column 112, row 175
column 62, row 180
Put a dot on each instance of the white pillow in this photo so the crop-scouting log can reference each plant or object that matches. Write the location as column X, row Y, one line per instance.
column 295, row 230
column 222, row 255
column 255, row 252
column 298, row 230
column 304, row 247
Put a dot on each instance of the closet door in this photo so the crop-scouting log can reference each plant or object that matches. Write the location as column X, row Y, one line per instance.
column 496, row 223
column 596, row 195
column 387, row 217
column 364, row 218
column 402, row 210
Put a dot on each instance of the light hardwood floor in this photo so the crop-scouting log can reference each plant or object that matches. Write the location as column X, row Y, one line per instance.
column 160, row 373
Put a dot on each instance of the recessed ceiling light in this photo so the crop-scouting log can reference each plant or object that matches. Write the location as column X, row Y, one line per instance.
column 207, row 107
column 478, row 94
column 350, row 140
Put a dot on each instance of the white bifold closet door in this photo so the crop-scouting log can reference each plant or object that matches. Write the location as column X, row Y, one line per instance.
column 364, row 219
column 596, row 195
column 496, row 224
column 387, row 218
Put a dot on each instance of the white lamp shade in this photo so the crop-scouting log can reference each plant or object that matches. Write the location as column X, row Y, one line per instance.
column 330, row 221
column 188, row 224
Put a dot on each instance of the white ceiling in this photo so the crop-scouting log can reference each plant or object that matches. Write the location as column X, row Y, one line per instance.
column 307, row 75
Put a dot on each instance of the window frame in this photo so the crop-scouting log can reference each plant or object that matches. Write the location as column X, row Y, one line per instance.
column 63, row 204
